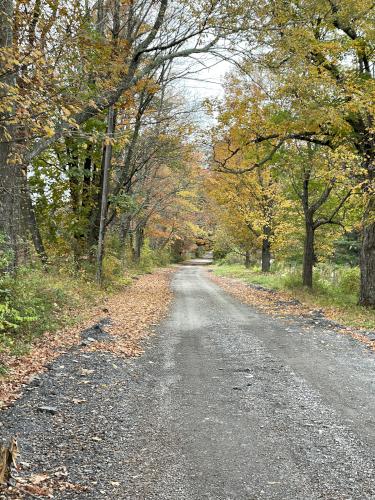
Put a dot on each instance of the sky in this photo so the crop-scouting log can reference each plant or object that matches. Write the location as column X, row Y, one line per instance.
column 208, row 81
column 204, row 81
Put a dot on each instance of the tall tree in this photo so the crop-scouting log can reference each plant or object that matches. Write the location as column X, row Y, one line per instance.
column 71, row 75
column 9, row 195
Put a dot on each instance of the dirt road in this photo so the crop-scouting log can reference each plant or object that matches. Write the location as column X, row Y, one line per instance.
column 226, row 403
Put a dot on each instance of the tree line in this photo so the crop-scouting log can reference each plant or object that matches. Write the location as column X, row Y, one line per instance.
column 95, row 138
column 94, row 135
column 295, row 133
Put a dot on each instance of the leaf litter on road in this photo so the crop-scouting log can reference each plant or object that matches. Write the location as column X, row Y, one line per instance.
column 133, row 312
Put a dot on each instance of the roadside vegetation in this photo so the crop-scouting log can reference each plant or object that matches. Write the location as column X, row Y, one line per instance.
column 335, row 288
column 37, row 300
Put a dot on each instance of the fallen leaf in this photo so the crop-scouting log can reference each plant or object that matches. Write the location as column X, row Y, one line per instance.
column 38, row 478
column 38, row 490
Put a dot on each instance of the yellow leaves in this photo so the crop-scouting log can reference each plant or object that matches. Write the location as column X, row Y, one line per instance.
column 186, row 194
column 109, row 141
column 50, row 132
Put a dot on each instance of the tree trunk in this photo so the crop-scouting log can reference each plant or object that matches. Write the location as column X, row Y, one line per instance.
column 87, row 178
column 10, row 199
column 10, row 209
column 94, row 212
column 124, row 231
column 31, row 221
column 308, row 254
column 266, row 250
column 138, row 243
column 104, row 200
column 367, row 257
column 247, row 259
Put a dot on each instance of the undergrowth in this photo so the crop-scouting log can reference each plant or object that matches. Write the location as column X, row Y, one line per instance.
column 37, row 300
column 335, row 289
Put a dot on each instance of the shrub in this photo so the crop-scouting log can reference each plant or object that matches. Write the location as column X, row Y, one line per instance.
column 292, row 280
column 11, row 319
column 34, row 301
column 112, row 267
column 348, row 281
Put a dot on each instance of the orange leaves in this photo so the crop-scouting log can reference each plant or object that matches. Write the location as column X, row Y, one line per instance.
column 132, row 311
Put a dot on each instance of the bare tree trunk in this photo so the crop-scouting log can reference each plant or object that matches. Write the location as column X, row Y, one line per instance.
column 308, row 254
column 104, row 200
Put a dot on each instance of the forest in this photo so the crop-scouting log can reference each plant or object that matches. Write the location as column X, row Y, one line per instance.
column 110, row 166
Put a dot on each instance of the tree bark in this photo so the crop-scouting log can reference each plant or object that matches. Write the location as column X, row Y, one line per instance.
column 124, row 231
column 308, row 254
column 10, row 193
column 367, row 257
column 138, row 243
column 31, row 220
column 94, row 213
column 104, row 200
column 10, row 209
column 247, row 259
column 266, row 250
column 87, row 177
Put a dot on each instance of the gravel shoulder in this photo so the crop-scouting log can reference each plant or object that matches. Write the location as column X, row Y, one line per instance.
column 226, row 403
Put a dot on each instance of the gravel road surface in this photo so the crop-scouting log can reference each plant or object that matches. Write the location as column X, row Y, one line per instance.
column 226, row 403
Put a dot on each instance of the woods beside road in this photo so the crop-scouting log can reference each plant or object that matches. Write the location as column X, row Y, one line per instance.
column 109, row 166
column 116, row 165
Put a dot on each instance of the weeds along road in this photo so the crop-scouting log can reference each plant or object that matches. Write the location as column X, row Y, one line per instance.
column 226, row 403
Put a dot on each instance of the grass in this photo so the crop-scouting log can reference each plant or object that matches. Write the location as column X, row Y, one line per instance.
column 335, row 290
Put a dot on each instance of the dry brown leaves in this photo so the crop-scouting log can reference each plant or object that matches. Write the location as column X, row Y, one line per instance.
column 135, row 312
column 132, row 311
column 39, row 486
column 275, row 304
column 8, row 457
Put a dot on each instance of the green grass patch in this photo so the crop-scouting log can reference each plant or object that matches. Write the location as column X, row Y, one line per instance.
column 253, row 276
